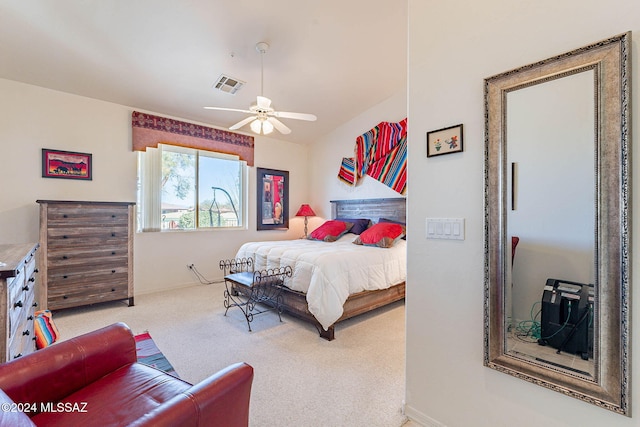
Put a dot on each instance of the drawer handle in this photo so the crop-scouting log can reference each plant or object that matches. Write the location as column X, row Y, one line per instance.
column 35, row 304
column 64, row 237
column 65, row 257
column 113, row 216
column 113, row 234
column 113, row 289
column 64, row 277
column 65, row 216
column 113, row 252
column 25, row 288
column 17, row 355
column 18, row 304
column 64, row 297
column 26, row 332
column 113, row 271
column 32, row 279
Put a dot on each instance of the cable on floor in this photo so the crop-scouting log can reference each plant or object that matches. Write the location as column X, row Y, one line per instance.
column 203, row 280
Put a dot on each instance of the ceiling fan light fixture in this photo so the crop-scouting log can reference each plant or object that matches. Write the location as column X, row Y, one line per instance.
column 267, row 127
column 261, row 126
column 256, row 126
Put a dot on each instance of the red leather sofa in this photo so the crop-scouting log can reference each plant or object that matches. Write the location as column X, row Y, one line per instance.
column 95, row 380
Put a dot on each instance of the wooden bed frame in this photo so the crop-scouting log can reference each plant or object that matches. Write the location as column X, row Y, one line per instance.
column 295, row 303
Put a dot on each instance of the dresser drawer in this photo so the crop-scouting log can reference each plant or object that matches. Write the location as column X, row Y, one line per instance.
column 98, row 291
column 16, row 287
column 21, row 345
column 19, row 312
column 20, row 287
column 16, row 347
column 78, row 257
column 83, row 215
column 30, row 265
column 86, row 237
column 86, row 274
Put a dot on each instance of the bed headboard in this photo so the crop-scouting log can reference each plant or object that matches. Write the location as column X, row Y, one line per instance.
column 390, row 208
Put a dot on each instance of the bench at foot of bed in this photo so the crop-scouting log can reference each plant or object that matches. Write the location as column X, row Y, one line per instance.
column 245, row 288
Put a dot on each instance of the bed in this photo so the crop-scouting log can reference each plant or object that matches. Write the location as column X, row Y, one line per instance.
column 334, row 281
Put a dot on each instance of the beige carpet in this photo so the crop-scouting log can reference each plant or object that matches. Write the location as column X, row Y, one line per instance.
column 300, row 379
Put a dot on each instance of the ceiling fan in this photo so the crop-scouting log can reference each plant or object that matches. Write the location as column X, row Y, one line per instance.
column 264, row 118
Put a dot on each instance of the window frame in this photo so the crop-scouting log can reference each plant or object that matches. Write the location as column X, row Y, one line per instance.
column 149, row 191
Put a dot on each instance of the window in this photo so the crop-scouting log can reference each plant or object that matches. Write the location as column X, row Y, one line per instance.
column 187, row 189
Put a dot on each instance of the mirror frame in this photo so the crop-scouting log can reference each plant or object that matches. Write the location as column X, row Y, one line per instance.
column 610, row 60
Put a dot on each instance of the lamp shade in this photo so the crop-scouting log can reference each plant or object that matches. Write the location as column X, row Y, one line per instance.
column 267, row 127
column 256, row 126
column 305, row 210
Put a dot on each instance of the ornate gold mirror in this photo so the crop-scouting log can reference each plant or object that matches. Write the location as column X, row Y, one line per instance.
column 557, row 237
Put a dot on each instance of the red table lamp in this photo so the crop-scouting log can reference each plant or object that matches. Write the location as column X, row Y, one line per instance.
column 305, row 211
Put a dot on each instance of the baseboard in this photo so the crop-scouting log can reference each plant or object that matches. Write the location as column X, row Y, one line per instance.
column 420, row 418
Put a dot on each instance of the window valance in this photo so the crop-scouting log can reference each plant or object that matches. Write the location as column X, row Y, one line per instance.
column 148, row 130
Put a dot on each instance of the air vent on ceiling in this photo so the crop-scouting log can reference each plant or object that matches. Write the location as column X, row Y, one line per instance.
column 228, row 84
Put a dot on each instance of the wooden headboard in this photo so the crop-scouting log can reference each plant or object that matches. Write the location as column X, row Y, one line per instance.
column 390, row 208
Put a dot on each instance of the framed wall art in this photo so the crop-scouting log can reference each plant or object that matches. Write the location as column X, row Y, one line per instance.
column 66, row 164
column 273, row 199
column 444, row 141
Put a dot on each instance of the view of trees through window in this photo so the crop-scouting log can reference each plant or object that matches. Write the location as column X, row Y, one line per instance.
column 199, row 190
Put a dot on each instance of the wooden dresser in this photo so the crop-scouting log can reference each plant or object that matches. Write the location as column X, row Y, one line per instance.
column 87, row 252
column 18, row 300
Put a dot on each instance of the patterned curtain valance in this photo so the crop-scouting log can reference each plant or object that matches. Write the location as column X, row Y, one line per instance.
column 380, row 153
column 148, row 130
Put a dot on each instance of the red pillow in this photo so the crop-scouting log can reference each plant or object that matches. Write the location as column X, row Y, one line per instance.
column 382, row 234
column 330, row 231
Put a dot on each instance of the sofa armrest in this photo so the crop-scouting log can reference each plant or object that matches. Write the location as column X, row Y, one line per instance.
column 68, row 366
column 221, row 399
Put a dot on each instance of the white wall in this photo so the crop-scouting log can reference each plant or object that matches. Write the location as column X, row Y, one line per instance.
column 453, row 46
column 326, row 156
column 32, row 118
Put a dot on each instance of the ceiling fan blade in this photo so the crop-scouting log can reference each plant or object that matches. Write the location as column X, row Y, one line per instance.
column 297, row 116
column 242, row 122
column 263, row 102
column 279, row 125
column 227, row 109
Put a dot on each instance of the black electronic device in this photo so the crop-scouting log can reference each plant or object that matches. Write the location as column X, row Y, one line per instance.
column 567, row 317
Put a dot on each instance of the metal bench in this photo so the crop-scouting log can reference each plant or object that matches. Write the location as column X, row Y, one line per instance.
column 245, row 288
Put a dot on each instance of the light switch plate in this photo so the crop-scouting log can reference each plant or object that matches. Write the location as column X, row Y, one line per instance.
column 445, row 228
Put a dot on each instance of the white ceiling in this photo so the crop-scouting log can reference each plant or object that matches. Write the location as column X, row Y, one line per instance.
column 331, row 58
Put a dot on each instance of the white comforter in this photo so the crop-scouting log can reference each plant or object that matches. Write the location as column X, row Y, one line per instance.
column 329, row 272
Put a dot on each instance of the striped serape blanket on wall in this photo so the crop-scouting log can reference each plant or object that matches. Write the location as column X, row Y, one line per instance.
column 380, row 153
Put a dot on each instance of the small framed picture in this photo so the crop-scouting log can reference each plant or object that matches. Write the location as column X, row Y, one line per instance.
column 66, row 164
column 444, row 141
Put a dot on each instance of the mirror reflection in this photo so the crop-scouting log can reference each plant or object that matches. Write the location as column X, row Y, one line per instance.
column 551, row 222
column 557, row 252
